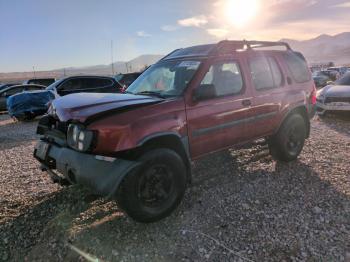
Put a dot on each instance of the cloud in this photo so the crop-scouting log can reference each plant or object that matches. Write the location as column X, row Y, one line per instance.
column 143, row 34
column 218, row 32
column 195, row 21
column 169, row 28
column 342, row 5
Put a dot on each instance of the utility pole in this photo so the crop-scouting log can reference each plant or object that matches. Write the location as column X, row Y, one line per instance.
column 127, row 69
column 34, row 72
column 64, row 71
column 112, row 57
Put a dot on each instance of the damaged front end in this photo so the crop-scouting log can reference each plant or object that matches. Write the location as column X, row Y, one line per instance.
column 65, row 152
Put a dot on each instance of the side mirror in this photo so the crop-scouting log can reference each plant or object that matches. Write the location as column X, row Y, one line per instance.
column 203, row 92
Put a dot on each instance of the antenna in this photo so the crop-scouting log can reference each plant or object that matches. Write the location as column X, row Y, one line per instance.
column 112, row 57
column 34, row 72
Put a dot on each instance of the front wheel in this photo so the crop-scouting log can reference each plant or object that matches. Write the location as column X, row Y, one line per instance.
column 288, row 143
column 154, row 189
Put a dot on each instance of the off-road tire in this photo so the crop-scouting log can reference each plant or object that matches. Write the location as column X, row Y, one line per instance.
column 288, row 143
column 129, row 197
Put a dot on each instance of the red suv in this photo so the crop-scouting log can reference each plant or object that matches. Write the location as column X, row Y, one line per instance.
column 137, row 147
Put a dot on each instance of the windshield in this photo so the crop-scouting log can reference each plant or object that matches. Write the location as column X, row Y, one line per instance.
column 54, row 84
column 165, row 79
column 344, row 81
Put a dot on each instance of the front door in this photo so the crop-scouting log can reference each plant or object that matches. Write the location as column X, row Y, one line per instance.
column 219, row 121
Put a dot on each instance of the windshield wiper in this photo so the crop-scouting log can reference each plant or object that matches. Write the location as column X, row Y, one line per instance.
column 151, row 93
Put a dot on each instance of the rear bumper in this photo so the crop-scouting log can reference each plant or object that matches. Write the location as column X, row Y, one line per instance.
column 101, row 175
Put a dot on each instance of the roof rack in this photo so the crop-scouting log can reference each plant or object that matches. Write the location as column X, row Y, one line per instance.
column 227, row 46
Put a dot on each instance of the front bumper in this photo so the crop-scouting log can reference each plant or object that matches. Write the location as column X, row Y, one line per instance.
column 101, row 175
column 321, row 108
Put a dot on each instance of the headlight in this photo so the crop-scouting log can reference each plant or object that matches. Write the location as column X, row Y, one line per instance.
column 79, row 138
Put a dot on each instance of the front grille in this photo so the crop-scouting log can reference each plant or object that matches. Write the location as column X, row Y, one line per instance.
column 337, row 99
column 61, row 126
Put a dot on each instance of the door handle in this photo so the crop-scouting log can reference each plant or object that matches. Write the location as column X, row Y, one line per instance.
column 246, row 102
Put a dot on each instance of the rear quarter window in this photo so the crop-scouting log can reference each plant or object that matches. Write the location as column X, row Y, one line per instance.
column 298, row 67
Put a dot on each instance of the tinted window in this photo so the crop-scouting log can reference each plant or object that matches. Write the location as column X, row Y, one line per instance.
column 71, row 84
column 345, row 80
column 261, row 73
column 276, row 72
column 32, row 88
column 226, row 77
column 101, row 82
column 298, row 67
column 13, row 91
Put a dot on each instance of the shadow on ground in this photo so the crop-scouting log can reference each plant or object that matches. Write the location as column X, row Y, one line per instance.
column 258, row 213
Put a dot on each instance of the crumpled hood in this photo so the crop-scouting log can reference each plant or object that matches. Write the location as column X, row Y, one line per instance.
column 81, row 106
column 336, row 91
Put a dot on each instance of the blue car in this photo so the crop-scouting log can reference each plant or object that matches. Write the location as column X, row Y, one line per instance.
column 28, row 105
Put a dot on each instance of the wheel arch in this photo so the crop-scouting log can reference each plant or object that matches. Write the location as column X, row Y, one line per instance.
column 170, row 140
column 301, row 110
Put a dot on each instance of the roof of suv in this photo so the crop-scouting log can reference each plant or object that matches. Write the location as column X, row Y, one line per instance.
column 223, row 47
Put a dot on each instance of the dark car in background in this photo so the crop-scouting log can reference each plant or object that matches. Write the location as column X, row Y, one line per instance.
column 335, row 97
column 12, row 90
column 321, row 79
column 127, row 79
column 3, row 86
column 28, row 105
column 40, row 81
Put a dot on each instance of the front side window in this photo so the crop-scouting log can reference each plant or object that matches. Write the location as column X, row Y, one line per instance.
column 226, row 78
column 169, row 78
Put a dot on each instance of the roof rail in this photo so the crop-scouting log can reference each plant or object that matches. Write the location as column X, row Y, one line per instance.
column 227, row 46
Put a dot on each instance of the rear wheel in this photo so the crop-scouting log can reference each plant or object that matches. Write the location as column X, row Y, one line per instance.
column 153, row 190
column 288, row 143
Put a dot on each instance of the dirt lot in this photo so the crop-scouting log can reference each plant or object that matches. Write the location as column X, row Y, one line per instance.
column 242, row 206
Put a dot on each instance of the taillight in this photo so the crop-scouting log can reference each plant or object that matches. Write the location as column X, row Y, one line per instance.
column 313, row 95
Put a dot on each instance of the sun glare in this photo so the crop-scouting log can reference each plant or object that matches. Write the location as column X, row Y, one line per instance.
column 241, row 12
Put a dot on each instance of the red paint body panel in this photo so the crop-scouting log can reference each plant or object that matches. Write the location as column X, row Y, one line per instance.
column 124, row 131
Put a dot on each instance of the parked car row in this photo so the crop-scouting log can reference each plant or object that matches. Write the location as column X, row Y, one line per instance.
column 24, row 104
column 334, row 97
column 324, row 77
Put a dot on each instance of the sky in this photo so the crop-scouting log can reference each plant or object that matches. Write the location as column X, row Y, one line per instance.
column 52, row 34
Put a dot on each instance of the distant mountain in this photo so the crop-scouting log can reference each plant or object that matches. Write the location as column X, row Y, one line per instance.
column 324, row 48
column 135, row 65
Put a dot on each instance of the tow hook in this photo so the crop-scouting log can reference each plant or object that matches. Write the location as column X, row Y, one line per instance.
column 54, row 177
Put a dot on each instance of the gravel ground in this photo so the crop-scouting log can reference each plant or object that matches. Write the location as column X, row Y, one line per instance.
column 242, row 206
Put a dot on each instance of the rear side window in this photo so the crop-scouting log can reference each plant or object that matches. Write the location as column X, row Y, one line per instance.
column 226, row 77
column 276, row 72
column 265, row 73
column 261, row 73
column 298, row 67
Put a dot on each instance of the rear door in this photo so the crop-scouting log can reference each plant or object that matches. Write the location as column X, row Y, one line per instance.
column 268, row 89
column 218, row 122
